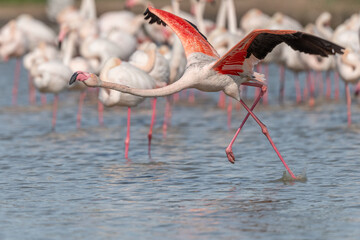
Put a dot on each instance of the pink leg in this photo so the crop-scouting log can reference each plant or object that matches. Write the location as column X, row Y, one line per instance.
column 321, row 84
column 282, row 84
column 229, row 152
column 43, row 99
column 101, row 113
column 311, row 88
column 191, row 98
column 81, row 102
column 313, row 85
column 306, row 90
column 336, row 81
column 127, row 140
column 55, row 106
column 32, row 92
column 184, row 93
column 221, row 102
column 266, row 133
column 348, row 101
column 16, row 81
column 229, row 112
column 328, row 85
column 266, row 95
column 297, row 88
column 166, row 117
column 100, row 107
column 152, row 124
column 176, row 97
column 243, row 91
column 357, row 89
column 238, row 106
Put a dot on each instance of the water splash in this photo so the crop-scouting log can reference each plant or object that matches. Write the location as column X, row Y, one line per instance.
column 286, row 177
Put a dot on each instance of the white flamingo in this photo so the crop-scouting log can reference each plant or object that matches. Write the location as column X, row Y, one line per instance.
column 116, row 71
column 348, row 66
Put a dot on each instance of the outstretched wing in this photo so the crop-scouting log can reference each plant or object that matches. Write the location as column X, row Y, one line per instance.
column 190, row 37
column 260, row 42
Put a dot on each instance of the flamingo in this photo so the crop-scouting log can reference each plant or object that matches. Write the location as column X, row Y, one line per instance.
column 206, row 71
column 13, row 43
column 43, row 53
column 321, row 28
column 18, row 37
column 348, row 66
column 150, row 60
column 117, row 71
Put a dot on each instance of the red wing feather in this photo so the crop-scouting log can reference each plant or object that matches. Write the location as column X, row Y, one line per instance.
column 190, row 37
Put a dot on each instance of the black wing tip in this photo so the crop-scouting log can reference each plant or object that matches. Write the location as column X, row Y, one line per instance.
column 153, row 17
column 330, row 48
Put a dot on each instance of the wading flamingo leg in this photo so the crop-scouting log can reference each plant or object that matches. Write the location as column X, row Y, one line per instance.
column 320, row 81
column 100, row 107
column 79, row 113
column 43, row 99
column 221, row 102
column 152, row 125
column 32, row 92
column 328, row 85
column 282, row 84
column 297, row 88
column 191, row 97
column 336, row 82
column 310, row 85
column 167, row 116
column 55, row 106
column 16, row 81
column 348, row 101
column 127, row 139
column 229, row 112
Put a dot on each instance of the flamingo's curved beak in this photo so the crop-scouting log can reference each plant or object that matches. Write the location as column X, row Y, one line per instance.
column 73, row 78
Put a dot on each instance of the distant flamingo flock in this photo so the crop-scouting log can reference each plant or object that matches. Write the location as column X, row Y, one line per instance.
column 130, row 57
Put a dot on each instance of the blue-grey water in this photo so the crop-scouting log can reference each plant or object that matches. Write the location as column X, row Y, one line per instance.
column 76, row 184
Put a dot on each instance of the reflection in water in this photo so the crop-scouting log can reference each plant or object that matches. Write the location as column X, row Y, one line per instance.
column 76, row 183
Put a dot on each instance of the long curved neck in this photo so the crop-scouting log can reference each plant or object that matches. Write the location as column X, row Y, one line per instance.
column 231, row 16
column 353, row 63
column 175, row 87
column 199, row 11
column 221, row 15
column 325, row 32
column 88, row 9
column 69, row 48
column 151, row 53
column 175, row 6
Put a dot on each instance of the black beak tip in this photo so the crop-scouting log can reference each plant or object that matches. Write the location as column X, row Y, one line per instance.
column 59, row 45
column 73, row 78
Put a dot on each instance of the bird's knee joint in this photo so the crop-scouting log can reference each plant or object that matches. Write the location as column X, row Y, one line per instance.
column 264, row 88
column 264, row 130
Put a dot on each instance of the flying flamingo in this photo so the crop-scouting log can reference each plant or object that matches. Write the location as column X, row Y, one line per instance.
column 208, row 72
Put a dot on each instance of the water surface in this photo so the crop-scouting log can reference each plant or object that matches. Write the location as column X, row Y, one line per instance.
column 76, row 184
